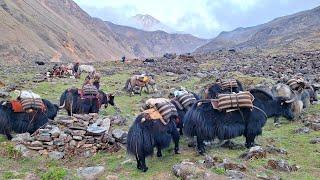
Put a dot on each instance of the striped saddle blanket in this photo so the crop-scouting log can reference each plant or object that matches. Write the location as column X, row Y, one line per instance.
column 184, row 101
column 27, row 105
column 296, row 84
column 89, row 89
column 235, row 101
column 228, row 84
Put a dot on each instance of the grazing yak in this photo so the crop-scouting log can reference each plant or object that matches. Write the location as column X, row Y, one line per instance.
column 21, row 122
column 144, row 135
column 140, row 81
column 207, row 123
column 76, row 103
column 212, row 90
column 303, row 98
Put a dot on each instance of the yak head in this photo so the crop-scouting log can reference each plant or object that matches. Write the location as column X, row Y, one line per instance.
column 285, row 107
column 213, row 91
column 106, row 99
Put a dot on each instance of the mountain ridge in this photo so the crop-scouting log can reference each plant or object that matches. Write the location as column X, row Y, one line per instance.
column 294, row 32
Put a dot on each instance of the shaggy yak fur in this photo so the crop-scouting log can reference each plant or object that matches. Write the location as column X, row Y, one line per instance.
column 215, row 89
column 75, row 104
column 207, row 123
column 24, row 122
column 144, row 136
column 182, row 113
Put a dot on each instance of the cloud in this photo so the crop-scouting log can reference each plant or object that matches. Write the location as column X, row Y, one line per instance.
column 204, row 18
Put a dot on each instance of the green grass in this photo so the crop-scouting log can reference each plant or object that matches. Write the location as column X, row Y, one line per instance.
column 300, row 151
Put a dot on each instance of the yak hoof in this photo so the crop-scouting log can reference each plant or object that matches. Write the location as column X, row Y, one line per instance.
column 176, row 151
column 145, row 169
column 201, row 152
column 159, row 154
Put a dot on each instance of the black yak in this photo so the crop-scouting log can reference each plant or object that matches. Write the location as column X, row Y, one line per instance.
column 143, row 136
column 75, row 103
column 21, row 122
column 207, row 123
column 182, row 111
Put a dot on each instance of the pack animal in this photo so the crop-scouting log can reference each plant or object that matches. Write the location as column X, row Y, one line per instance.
column 208, row 123
column 24, row 121
column 75, row 102
column 144, row 135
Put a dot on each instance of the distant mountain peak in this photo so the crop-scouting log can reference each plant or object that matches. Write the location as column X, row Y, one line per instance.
column 149, row 23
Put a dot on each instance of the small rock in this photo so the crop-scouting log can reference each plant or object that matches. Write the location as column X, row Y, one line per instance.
column 233, row 174
column 170, row 74
column 315, row 126
column 256, row 152
column 36, row 144
column 94, row 129
column 274, row 150
column 25, row 137
column 4, row 94
column 120, row 135
column 201, row 75
column 78, row 138
column 209, row 161
column 55, row 132
column 228, row 165
column 302, row 130
column 56, row 155
column 44, row 137
column 281, row 165
column 315, row 140
column 78, row 133
column 25, row 152
column 90, row 172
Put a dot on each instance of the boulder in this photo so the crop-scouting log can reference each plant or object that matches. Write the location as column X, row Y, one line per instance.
column 55, row 155
column 90, row 173
column 120, row 135
column 281, row 165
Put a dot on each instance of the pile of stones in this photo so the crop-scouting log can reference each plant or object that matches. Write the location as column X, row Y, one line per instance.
column 80, row 135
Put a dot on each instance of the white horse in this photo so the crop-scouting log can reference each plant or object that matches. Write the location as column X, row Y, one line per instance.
column 87, row 68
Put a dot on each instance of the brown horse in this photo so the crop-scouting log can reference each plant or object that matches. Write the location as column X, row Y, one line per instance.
column 140, row 81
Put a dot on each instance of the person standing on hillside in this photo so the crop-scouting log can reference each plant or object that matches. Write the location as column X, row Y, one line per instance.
column 76, row 72
column 123, row 59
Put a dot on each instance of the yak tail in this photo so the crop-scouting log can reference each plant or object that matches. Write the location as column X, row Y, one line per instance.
column 63, row 98
column 139, row 141
column 189, row 121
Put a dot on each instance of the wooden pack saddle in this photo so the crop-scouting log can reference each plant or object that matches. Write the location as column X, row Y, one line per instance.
column 228, row 83
column 89, row 89
column 296, row 83
column 27, row 105
column 233, row 101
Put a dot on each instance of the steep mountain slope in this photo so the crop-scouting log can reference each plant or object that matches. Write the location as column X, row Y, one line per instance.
column 59, row 30
column 299, row 31
column 157, row 43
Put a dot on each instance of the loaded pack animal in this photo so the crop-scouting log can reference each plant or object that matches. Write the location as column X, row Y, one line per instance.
column 140, row 81
column 222, row 87
column 183, row 101
column 210, row 119
column 85, row 101
column 25, row 115
column 304, row 95
column 154, row 127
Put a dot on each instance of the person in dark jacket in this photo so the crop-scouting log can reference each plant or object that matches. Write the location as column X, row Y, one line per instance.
column 76, row 72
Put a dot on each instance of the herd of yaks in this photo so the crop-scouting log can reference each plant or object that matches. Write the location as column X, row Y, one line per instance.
column 199, row 119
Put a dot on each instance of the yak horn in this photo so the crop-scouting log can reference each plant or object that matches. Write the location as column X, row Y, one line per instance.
column 290, row 101
column 61, row 107
column 4, row 103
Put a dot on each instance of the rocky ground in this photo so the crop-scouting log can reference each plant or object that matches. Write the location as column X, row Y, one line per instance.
column 288, row 152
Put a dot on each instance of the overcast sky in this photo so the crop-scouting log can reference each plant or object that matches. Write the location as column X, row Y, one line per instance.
column 202, row 18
